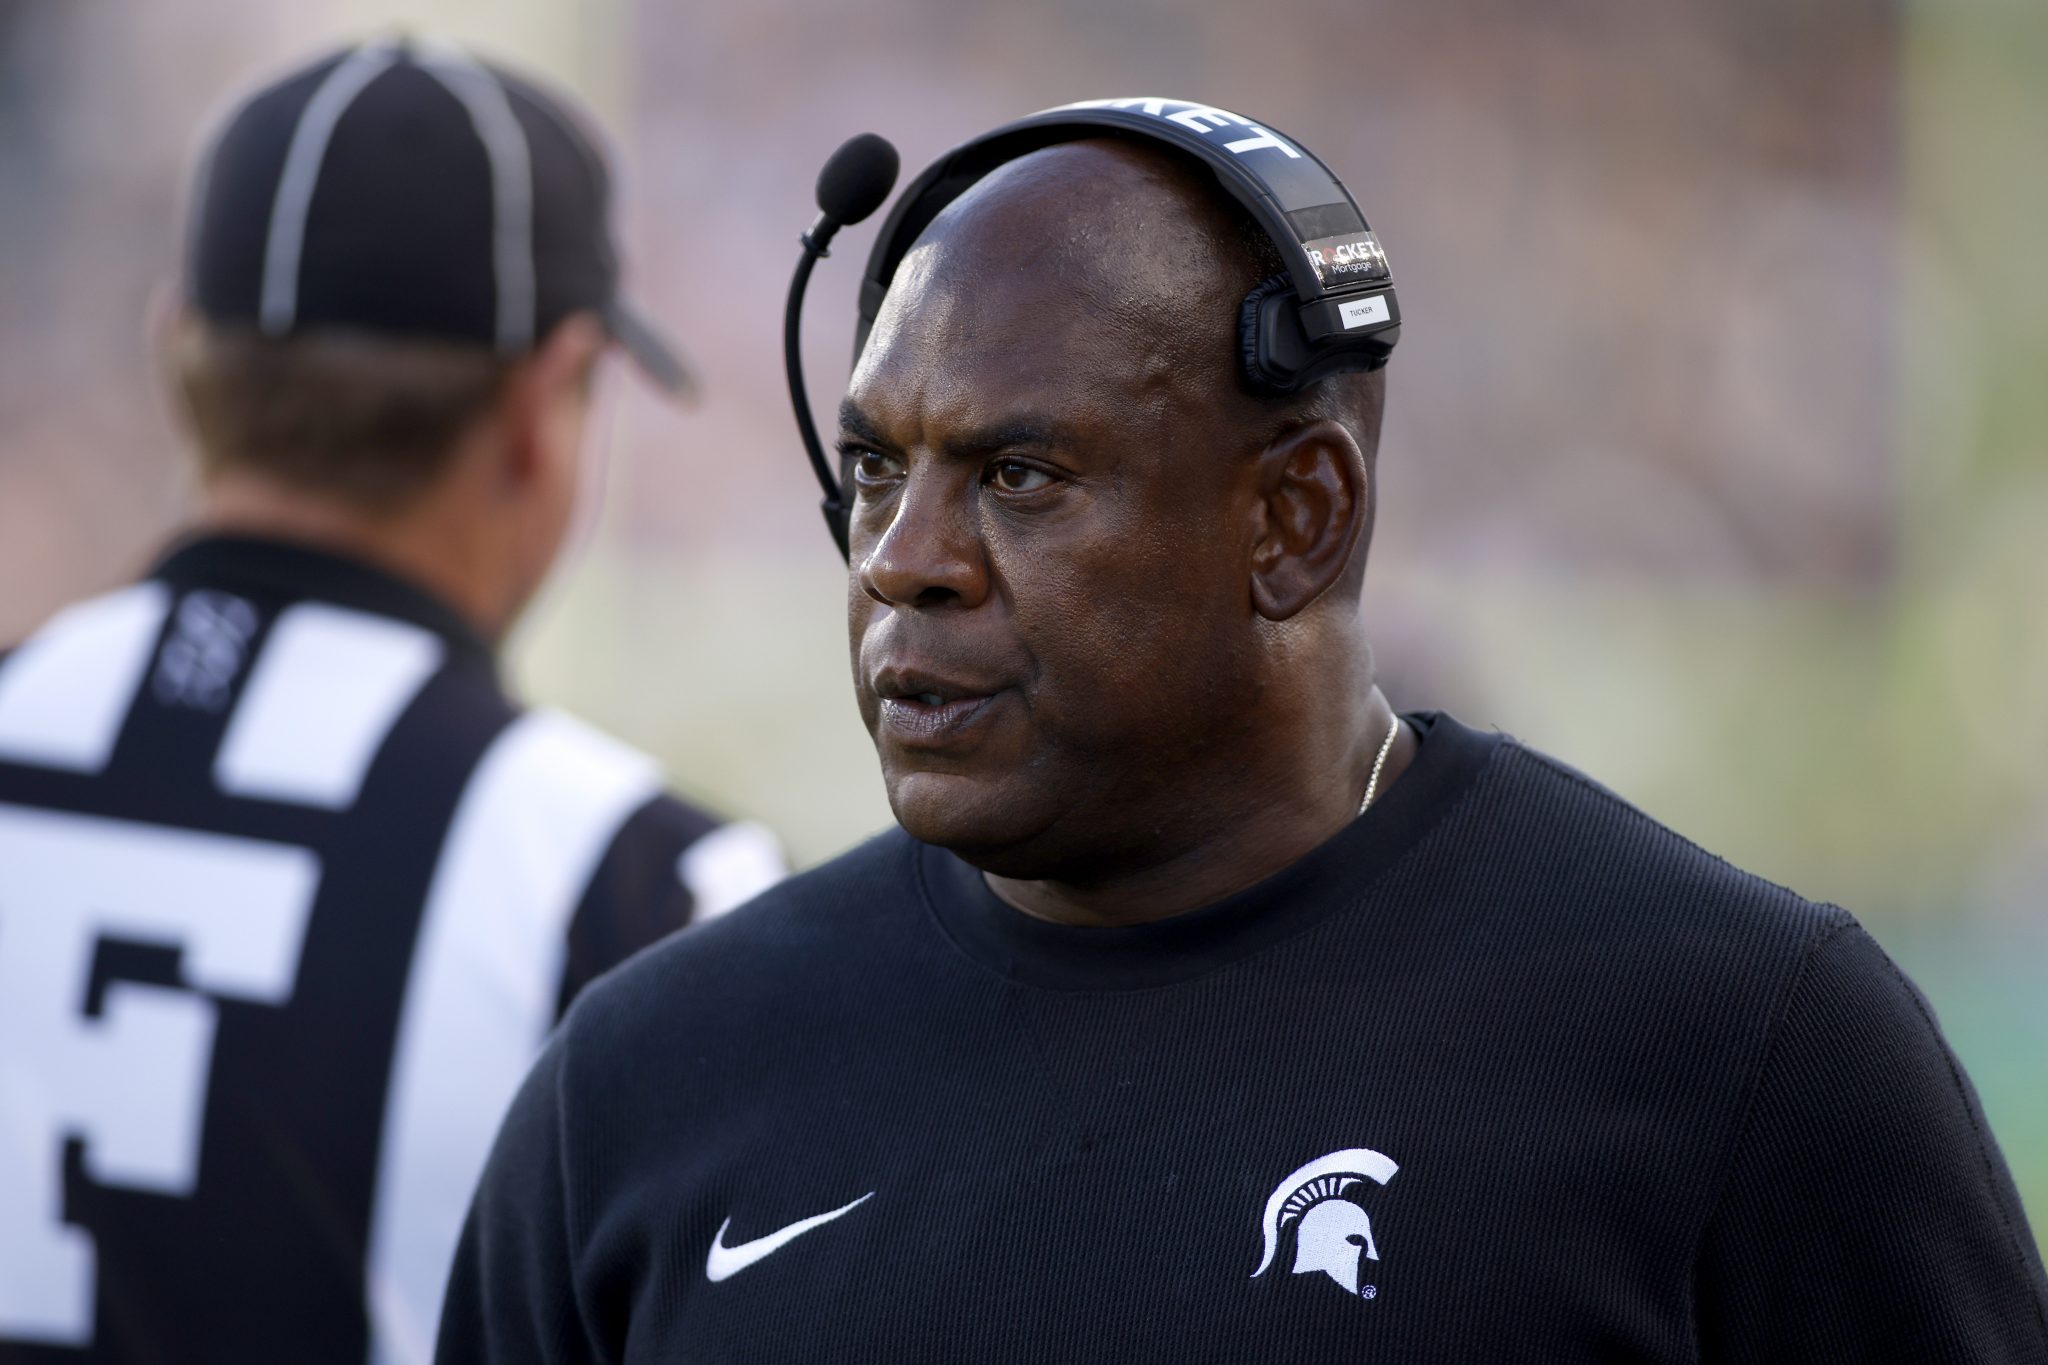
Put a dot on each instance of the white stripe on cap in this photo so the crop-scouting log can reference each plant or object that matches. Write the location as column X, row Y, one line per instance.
column 287, row 240
column 545, row 802
column 323, row 695
column 65, row 693
column 498, row 128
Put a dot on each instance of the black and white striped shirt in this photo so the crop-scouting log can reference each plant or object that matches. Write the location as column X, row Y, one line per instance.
column 290, row 893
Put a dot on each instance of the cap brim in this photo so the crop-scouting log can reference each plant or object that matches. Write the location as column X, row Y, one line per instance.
column 657, row 358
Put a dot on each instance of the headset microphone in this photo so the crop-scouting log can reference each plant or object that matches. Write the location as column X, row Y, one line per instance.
column 853, row 184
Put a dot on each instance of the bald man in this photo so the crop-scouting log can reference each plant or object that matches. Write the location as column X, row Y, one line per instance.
column 1203, row 1008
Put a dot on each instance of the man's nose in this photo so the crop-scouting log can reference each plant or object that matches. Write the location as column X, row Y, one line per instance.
column 931, row 553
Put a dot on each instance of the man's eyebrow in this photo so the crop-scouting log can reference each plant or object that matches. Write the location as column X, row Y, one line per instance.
column 856, row 425
column 1018, row 433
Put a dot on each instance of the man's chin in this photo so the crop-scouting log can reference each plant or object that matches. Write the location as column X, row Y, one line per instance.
column 976, row 817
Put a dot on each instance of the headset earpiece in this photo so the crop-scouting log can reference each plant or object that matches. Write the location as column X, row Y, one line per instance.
column 1261, row 322
column 1275, row 355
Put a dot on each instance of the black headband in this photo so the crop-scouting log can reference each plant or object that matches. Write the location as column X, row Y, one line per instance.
column 1336, row 308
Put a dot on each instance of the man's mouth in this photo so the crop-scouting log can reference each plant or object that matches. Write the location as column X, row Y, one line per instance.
column 924, row 711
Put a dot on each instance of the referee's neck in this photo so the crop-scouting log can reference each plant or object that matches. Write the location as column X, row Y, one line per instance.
column 444, row 540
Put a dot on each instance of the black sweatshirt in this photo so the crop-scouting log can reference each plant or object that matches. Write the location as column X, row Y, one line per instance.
column 1503, row 1071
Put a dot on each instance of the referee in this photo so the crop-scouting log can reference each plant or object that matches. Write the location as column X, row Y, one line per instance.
column 290, row 891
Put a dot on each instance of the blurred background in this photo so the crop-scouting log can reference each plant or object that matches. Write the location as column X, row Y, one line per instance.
column 1714, row 460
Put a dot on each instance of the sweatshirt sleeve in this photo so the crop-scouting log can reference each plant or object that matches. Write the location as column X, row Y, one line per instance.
column 511, row 1299
column 1867, row 1213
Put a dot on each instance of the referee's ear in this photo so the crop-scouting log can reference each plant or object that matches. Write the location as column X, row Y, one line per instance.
column 1313, row 507
column 165, row 314
column 546, row 401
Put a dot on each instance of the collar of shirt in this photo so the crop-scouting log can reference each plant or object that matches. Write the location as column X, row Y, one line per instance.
column 1334, row 876
column 286, row 570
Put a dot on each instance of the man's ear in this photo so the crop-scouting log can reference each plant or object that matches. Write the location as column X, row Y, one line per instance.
column 546, row 393
column 1314, row 502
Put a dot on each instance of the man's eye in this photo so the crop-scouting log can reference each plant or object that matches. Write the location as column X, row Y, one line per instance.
column 1014, row 476
column 871, row 466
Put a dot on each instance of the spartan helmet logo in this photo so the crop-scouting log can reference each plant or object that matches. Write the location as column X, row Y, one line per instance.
column 1332, row 1234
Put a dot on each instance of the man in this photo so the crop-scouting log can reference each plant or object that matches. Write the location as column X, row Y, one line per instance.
column 1140, row 1040
column 290, row 891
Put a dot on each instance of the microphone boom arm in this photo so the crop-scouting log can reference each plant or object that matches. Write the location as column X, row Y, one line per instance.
column 834, row 504
column 853, row 184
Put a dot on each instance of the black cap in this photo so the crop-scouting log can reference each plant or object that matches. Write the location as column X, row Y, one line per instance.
column 409, row 189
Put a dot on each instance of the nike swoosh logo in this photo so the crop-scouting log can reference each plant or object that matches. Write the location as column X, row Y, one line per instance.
column 722, row 1261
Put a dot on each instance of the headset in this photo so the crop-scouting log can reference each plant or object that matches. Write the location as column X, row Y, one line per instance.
column 1333, row 308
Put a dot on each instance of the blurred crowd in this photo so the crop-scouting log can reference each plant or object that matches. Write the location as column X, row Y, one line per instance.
column 1714, row 453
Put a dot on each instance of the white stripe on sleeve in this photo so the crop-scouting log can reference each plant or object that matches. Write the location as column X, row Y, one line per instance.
column 65, row 693
column 729, row 867
column 323, row 695
column 540, row 811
